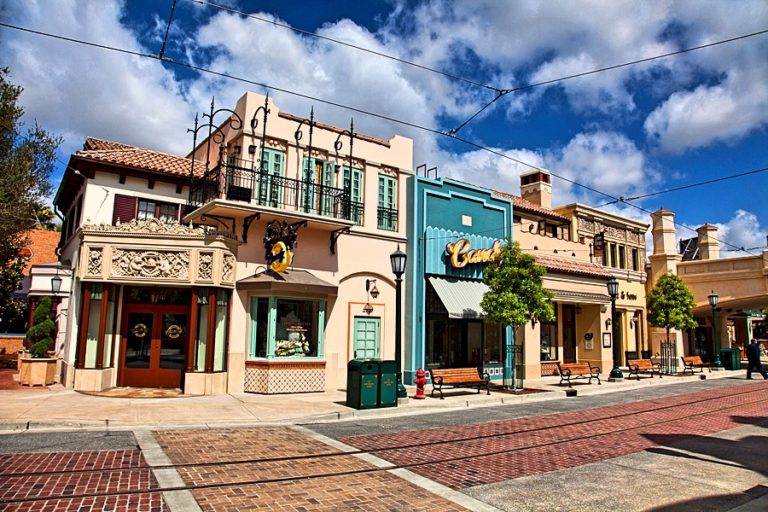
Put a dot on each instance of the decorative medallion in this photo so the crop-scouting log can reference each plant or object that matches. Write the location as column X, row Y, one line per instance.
column 279, row 241
column 174, row 331
column 150, row 264
column 139, row 330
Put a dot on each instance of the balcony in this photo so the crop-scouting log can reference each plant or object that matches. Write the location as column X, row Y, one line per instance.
column 230, row 192
column 387, row 219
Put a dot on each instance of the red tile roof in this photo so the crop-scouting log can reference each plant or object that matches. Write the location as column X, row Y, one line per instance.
column 139, row 158
column 523, row 204
column 564, row 266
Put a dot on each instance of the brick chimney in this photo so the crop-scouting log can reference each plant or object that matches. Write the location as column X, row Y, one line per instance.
column 536, row 187
column 709, row 247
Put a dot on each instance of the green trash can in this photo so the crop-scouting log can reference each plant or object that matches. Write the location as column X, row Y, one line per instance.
column 363, row 383
column 731, row 358
column 388, row 384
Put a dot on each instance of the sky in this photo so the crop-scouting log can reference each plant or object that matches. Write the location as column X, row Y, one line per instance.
column 623, row 133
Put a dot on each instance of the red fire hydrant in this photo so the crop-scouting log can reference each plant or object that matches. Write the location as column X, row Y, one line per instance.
column 420, row 381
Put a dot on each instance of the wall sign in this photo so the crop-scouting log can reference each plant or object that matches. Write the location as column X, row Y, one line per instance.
column 462, row 254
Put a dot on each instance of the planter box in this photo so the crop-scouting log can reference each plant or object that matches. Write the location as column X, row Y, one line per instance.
column 37, row 371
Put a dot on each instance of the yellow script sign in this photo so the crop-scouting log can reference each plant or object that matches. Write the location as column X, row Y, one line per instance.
column 461, row 254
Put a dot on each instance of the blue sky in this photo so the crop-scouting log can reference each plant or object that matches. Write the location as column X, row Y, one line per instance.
column 627, row 132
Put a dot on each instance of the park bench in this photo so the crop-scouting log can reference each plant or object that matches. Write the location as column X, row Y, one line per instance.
column 458, row 377
column 691, row 362
column 9, row 351
column 577, row 371
column 636, row 366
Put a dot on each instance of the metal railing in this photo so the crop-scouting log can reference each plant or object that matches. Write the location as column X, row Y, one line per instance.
column 387, row 219
column 236, row 183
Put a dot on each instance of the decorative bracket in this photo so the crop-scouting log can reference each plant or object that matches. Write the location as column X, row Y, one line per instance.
column 335, row 236
column 247, row 224
column 222, row 221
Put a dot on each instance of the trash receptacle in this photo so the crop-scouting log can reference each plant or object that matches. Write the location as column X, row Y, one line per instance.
column 388, row 384
column 731, row 358
column 363, row 383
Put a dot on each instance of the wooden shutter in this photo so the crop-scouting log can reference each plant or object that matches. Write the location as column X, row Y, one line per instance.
column 125, row 209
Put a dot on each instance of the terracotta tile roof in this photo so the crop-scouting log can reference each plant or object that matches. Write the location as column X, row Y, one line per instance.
column 564, row 266
column 139, row 158
column 523, row 204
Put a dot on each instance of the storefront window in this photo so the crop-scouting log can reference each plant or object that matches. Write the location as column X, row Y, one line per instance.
column 282, row 327
column 92, row 334
column 549, row 350
column 109, row 334
column 202, row 329
column 222, row 308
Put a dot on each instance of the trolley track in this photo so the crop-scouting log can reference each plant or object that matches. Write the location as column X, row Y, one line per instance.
column 744, row 399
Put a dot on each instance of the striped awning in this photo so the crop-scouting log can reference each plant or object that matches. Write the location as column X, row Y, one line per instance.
column 459, row 296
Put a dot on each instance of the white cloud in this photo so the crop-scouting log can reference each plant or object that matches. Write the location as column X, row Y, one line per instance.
column 724, row 112
column 743, row 230
column 81, row 91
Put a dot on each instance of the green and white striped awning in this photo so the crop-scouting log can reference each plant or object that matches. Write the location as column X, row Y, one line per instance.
column 460, row 297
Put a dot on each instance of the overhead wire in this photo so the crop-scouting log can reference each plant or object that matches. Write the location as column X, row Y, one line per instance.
column 344, row 43
column 504, row 92
column 167, row 30
column 327, row 102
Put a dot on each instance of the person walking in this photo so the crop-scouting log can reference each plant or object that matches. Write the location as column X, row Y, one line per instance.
column 753, row 360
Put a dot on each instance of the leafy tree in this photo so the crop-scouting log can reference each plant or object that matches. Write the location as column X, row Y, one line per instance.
column 516, row 293
column 27, row 161
column 670, row 304
column 39, row 335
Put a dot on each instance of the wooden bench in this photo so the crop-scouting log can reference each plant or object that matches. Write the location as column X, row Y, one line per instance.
column 578, row 371
column 458, row 377
column 691, row 362
column 643, row 365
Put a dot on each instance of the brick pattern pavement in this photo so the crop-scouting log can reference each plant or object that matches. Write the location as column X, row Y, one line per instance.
column 532, row 445
column 372, row 492
column 375, row 491
column 58, row 475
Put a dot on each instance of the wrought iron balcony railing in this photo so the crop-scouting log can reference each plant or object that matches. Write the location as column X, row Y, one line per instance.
column 236, row 183
column 387, row 219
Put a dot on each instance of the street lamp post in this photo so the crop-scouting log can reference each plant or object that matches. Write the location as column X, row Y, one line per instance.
column 613, row 291
column 716, row 363
column 397, row 259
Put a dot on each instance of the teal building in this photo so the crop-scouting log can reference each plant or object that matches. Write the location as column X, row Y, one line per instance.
column 453, row 229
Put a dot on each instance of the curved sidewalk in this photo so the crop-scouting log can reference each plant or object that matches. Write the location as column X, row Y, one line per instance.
column 62, row 408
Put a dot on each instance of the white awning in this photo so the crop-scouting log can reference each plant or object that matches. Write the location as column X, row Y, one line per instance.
column 460, row 297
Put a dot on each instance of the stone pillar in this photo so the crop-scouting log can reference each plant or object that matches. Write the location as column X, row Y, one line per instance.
column 709, row 246
column 663, row 260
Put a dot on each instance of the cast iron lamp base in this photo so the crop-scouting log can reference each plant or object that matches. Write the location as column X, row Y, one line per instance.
column 615, row 374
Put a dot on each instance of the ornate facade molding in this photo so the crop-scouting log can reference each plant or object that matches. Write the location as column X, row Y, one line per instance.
column 152, row 227
column 205, row 266
column 228, row 269
column 150, row 264
column 95, row 260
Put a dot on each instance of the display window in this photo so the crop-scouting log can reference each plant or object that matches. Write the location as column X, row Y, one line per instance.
column 286, row 327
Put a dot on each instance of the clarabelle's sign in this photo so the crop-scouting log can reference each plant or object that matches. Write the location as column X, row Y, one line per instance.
column 462, row 254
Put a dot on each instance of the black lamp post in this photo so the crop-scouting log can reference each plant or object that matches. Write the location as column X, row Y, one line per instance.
column 716, row 363
column 398, row 259
column 613, row 291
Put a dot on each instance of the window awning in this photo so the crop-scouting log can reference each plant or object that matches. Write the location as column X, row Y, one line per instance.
column 581, row 297
column 460, row 297
column 295, row 281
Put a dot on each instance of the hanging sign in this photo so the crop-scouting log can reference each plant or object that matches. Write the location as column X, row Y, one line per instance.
column 461, row 253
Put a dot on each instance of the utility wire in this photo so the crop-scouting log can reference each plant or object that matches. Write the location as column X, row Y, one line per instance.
column 327, row 102
column 692, row 185
column 504, row 92
column 350, row 45
column 167, row 30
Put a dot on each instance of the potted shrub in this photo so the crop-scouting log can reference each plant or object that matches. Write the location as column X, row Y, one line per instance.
column 39, row 370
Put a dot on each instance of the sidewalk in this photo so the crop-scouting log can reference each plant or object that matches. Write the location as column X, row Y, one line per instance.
column 63, row 408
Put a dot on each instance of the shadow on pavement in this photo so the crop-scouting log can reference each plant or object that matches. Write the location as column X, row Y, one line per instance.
column 715, row 503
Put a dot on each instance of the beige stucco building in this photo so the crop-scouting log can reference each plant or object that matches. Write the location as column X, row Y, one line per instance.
column 250, row 265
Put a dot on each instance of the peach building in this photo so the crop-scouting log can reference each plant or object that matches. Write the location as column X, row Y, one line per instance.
column 259, row 263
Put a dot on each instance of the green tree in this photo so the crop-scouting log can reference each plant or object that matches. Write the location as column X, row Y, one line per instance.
column 40, row 334
column 27, row 159
column 670, row 304
column 516, row 292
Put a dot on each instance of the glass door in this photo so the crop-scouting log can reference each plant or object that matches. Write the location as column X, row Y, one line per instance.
column 154, row 353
